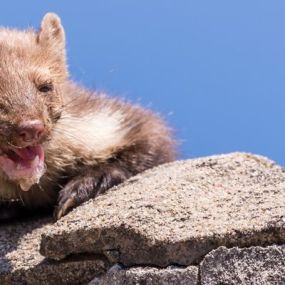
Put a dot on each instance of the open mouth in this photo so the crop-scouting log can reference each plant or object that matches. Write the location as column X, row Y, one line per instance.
column 23, row 165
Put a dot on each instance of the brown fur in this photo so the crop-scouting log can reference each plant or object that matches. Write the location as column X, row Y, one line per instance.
column 92, row 141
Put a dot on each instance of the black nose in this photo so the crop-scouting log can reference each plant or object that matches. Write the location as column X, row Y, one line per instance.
column 30, row 131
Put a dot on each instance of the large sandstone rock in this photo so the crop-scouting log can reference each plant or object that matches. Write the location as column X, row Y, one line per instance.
column 149, row 276
column 247, row 266
column 177, row 213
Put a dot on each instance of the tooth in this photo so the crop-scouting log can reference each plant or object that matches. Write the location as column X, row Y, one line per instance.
column 25, row 185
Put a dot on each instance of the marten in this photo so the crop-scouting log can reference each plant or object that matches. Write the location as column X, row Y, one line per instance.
column 61, row 144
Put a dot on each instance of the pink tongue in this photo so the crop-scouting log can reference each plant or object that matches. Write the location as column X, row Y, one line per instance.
column 30, row 152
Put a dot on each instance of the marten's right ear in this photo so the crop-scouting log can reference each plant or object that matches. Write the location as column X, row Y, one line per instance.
column 51, row 34
column 51, row 38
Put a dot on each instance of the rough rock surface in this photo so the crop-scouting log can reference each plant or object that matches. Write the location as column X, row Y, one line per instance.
column 252, row 266
column 177, row 213
column 21, row 262
column 149, row 276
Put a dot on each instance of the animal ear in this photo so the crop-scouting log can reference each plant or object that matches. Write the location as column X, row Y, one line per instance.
column 51, row 38
column 51, row 34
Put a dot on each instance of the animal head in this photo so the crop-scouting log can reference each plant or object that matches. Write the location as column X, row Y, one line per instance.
column 32, row 72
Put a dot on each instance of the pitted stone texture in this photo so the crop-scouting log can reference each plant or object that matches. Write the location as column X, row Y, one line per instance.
column 150, row 276
column 248, row 266
column 178, row 212
column 21, row 262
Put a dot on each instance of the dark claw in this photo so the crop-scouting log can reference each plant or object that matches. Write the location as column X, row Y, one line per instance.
column 66, row 202
column 64, row 208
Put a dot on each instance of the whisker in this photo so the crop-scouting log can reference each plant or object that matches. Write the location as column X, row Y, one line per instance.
column 41, row 187
column 21, row 198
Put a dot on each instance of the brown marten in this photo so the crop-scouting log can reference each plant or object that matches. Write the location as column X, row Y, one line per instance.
column 62, row 144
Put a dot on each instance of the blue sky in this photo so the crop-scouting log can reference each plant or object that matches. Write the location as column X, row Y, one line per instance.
column 214, row 69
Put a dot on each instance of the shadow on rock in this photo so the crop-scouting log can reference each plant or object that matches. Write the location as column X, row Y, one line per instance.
column 19, row 242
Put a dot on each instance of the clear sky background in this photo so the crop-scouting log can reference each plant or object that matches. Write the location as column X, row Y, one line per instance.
column 214, row 69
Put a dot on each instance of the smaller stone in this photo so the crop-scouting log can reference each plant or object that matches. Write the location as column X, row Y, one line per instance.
column 247, row 266
column 115, row 268
column 149, row 276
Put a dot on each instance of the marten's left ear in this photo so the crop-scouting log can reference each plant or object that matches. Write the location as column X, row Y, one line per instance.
column 51, row 34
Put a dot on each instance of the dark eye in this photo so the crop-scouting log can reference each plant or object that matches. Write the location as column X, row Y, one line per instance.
column 3, row 108
column 46, row 87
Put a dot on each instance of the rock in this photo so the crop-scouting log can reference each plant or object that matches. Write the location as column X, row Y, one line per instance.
column 21, row 262
column 246, row 266
column 150, row 276
column 177, row 213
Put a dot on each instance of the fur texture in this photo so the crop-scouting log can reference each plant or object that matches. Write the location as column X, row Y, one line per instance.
column 91, row 143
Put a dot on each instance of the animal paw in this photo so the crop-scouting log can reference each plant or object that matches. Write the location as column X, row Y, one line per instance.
column 66, row 201
column 75, row 192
